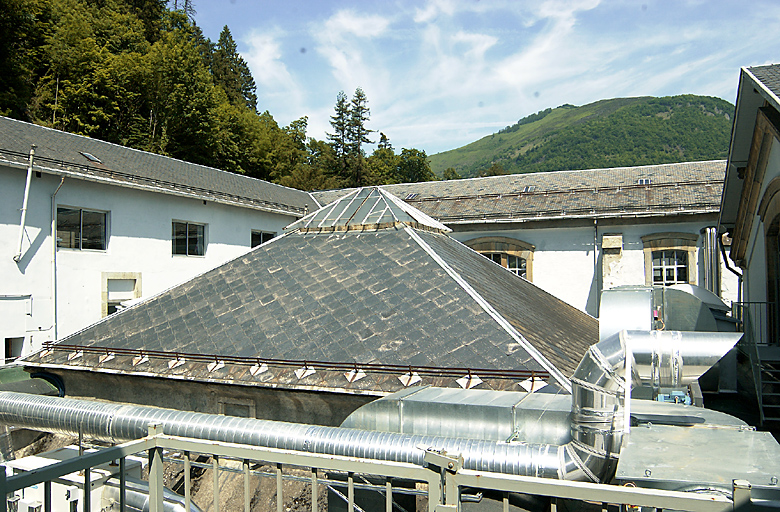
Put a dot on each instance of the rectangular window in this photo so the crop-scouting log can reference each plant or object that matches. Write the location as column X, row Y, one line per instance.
column 261, row 237
column 188, row 239
column 81, row 229
column 670, row 267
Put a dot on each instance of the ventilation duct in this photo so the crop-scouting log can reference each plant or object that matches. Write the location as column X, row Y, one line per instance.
column 599, row 389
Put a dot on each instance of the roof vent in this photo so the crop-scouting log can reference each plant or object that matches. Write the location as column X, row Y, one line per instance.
column 529, row 188
column 90, row 157
column 644, row 181
column 411, row 196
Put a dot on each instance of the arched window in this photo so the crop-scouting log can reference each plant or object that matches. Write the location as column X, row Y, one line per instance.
column 515, row 255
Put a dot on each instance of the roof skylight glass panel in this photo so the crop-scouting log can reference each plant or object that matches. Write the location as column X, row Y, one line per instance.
column 90, row 157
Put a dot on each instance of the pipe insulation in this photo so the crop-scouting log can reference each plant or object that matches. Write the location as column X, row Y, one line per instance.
column 599, row 387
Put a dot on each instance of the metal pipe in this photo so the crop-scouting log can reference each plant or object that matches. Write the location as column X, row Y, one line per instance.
column 18, row 255
column 597, row 422
column 54, row 259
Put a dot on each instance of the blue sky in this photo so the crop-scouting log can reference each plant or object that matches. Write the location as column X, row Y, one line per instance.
column 439, row 74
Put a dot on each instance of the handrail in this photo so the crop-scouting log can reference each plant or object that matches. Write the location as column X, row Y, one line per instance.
column 442, row 480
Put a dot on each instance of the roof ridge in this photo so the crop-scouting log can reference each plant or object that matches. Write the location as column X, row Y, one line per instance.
column 495, row 315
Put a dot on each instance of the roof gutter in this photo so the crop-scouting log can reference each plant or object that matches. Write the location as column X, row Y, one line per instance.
column 18, row 255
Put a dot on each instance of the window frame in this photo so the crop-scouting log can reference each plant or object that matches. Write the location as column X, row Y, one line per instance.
column 263, row 234
column 187, row 242
column 659, row 242
column 80, row 234
column 108, row 276
column 491, row 246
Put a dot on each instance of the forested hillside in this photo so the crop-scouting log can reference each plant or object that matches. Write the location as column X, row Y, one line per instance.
column 608, row 133
column 141, row 74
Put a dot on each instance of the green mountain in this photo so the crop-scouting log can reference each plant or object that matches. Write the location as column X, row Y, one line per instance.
column 608, row 133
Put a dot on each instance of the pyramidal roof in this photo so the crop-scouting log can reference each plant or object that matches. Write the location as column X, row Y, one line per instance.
column 342, row 306
column 370, row 207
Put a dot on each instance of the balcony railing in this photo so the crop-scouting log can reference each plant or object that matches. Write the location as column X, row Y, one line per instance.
column 442, row 480
column 758, row 320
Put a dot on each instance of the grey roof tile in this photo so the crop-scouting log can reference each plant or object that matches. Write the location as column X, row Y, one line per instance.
column 61, row 153
column 673, row 188
column 387, row 302
column 769, row 76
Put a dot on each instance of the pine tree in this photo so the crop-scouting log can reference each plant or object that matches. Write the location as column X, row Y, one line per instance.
column 231, row 72
column 339, row 138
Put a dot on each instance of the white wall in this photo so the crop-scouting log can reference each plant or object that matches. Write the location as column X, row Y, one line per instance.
column 563, row 261
column 139, row 240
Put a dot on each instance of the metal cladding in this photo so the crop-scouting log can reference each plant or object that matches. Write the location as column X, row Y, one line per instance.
column 596, row 419
column 116, row 423
column 676, row 358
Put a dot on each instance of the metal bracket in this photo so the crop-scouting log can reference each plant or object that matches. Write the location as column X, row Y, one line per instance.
column 741, row 494
column 442, row 459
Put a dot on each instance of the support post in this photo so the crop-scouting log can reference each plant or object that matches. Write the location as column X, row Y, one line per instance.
column 155, row 472
column 741, row 495
column 388, row 495
column 187, row 482
column 122, row 485
column 47, row 496
column 3, row 492
column 215, row 469
column 351, row 492
column 247, row 495
column 315, row 490
column 279, row 493
column 87, row 492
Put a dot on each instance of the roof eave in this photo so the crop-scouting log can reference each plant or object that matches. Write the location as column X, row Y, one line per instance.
column 152, row 188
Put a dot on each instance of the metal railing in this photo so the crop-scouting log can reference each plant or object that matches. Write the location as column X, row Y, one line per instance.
column 442, row 480
column 757, row 320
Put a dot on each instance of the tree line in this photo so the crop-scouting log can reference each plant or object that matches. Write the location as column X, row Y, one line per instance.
column 140, row 74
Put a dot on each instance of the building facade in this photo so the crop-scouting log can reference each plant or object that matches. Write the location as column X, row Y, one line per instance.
column 576, row 233
column 86, row 225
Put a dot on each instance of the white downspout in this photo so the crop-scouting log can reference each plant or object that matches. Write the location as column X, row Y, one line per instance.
column 18, row 255
column 54, row 258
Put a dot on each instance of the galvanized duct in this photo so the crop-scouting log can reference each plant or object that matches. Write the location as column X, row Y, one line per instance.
column 597, row 426
column 116, row 423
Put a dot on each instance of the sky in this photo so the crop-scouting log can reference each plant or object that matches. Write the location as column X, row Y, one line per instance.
column 439, row 74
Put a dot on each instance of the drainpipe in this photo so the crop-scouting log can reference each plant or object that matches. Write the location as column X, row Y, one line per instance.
column 54, row 258
column 596, row 270
column 18, row 255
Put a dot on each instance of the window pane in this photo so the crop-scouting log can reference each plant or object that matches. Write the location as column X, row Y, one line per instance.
column 658, row 276
column 682, row 274
column 68, row 228
column 195, row 240
column 179, row 237
column 268, row 236
column 93, row 230
column 257, row 239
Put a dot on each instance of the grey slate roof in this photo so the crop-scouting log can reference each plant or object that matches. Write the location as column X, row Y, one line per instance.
column 691, row 187
column 61, row 153
column 769, row 76
column 384, row 302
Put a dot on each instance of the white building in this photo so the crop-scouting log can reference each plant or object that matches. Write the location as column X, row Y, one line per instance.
column 576, row 233
column 128, row 224
column 751, row 215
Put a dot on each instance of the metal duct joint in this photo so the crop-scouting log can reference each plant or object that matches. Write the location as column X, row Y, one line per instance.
column 599, row 388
